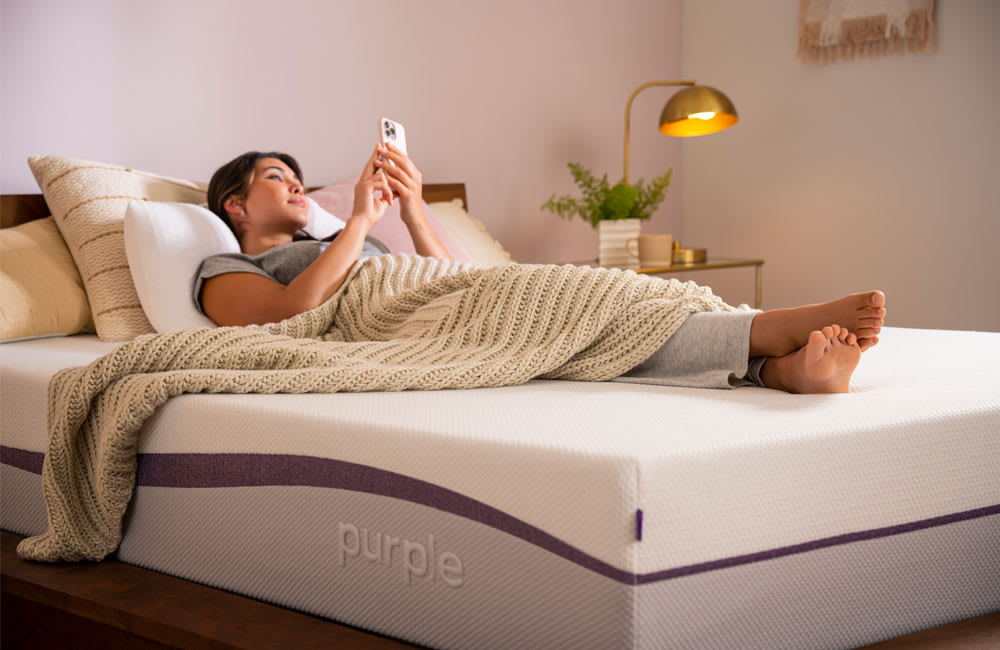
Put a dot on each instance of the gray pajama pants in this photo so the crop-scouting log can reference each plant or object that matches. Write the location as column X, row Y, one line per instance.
column 710, row 350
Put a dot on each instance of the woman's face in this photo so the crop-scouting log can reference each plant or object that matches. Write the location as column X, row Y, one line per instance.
column 275, row 197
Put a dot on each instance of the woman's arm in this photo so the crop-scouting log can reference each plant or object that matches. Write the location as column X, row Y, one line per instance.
column 406, row 182
column 425, row 240
column 247, row 298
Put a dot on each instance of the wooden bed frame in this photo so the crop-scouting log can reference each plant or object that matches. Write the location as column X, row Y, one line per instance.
column 112, row 604
column 16, row 209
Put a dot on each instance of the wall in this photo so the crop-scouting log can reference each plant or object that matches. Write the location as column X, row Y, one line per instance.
column 499, row 95
column 873, row 173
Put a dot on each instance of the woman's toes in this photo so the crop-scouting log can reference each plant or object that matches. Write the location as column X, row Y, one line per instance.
column 866, row 332
column 869, row 322
column 867, row 342
column 876, row 298
column 817, row 343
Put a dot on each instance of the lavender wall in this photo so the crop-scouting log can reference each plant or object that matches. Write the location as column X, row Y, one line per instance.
column 843, row 177
column 499, row 95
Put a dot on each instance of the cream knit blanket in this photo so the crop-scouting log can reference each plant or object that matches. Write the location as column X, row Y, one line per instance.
column 397, row 323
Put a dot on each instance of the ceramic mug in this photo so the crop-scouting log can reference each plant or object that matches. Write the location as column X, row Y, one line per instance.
column 653, row 250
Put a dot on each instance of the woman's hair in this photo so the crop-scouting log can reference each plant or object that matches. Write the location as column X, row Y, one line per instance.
column 234, row 178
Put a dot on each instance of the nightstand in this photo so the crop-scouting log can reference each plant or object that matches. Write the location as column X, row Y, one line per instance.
column 709, row 264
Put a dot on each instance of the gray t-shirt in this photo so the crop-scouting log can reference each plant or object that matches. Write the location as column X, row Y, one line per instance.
column 281, row 263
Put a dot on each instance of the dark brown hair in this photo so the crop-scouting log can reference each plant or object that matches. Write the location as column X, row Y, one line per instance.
column 234, row 178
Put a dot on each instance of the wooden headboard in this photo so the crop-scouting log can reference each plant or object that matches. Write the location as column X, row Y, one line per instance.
column 16, row 209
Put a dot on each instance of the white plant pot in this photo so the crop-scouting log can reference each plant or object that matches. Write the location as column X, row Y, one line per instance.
column 613, row 236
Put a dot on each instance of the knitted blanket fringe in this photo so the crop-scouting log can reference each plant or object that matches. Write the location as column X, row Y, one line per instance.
column 398, row 323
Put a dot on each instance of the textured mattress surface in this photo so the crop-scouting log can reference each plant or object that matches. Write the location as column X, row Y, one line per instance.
column 629, row 486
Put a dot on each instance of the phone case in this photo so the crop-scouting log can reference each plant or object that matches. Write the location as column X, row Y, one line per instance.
column 393, row 133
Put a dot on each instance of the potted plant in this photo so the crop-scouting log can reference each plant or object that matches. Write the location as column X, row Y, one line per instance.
column 615, row 211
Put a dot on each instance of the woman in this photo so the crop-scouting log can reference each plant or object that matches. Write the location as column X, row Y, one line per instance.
column 808, row 349
column 261, row 198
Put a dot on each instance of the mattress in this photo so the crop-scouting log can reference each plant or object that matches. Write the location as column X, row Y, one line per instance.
column 571, row 514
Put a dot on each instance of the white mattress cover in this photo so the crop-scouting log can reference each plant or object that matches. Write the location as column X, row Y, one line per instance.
column 717, row 474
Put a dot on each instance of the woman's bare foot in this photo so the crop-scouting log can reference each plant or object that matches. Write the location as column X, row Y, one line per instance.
column 823, row 365
column 778, row 332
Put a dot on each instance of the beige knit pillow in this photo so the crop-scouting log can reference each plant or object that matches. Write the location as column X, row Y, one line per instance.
column 470, row 233
column 41, row 293
column 88, row 201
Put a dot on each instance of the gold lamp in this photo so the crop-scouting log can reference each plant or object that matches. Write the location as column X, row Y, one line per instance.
column 695, row 110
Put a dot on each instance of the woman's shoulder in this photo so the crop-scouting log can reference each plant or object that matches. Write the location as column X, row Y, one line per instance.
column 228, row 263
column 279, row 251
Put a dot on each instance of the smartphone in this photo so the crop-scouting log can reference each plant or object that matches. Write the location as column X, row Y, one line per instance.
column 390, row 132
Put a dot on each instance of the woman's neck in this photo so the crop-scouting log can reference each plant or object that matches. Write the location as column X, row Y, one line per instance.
column 257, row 243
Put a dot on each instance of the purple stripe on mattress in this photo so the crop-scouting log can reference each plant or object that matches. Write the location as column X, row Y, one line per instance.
column 238, row 470
column 29, row 461
column 817, row 544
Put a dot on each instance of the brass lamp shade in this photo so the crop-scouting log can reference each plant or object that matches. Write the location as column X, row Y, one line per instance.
column 697, row 110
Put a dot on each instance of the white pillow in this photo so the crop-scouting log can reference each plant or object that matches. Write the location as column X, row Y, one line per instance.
column 321, row 224
column 165, row 244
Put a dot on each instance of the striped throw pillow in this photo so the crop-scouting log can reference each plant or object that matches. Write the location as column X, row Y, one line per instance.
column 88, row 201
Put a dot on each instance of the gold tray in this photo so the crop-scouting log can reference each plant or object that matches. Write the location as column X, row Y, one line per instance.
column 689, row 255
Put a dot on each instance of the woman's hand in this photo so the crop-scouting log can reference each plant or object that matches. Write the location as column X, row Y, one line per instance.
column 405, row 180
column 367, row 206
column 407, row 183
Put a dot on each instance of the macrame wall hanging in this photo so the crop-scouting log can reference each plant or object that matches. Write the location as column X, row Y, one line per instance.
column 843, row 29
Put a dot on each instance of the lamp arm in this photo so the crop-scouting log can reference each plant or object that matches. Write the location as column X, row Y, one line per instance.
column 628, row 109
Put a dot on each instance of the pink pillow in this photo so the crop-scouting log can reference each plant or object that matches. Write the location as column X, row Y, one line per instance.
column 338, row 199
